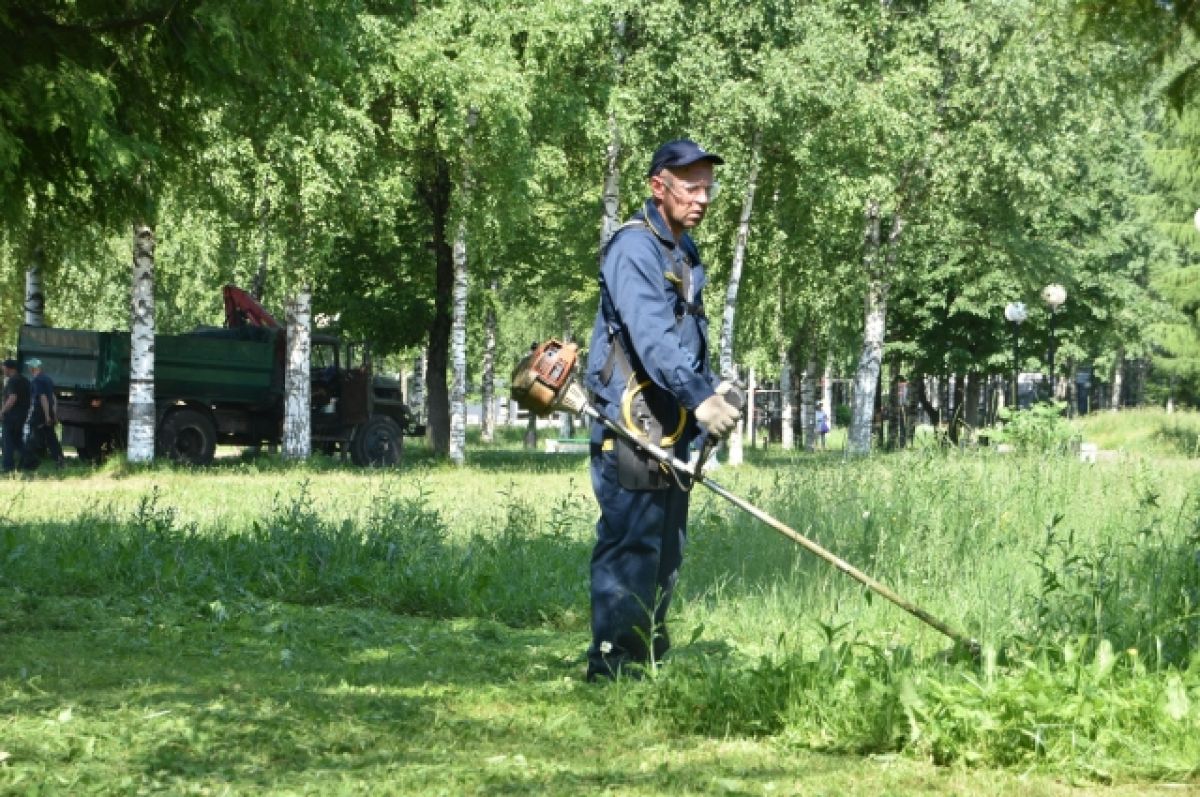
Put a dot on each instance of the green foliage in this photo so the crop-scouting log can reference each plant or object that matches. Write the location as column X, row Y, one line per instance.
column 1042, row 428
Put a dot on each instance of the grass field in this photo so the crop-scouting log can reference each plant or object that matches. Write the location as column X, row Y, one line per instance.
column 256, row 628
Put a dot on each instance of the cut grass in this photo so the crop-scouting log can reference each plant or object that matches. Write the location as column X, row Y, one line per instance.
column 273, row 699
column 265, row 628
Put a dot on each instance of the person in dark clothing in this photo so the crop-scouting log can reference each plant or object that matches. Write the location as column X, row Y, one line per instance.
column 648, row 370
column 13, row 412
column 42, row 419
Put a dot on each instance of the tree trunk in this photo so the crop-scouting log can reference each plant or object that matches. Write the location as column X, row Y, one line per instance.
column 808, row 403
column 487, row 418
column 140, row 444
column 35, row 296
column 530, row 439
column 751, row 414
column 259, row 285
column 786, row 416
column 416, row 399
column 866, row 376
column 827, row 389
column 458, row 345
column 972, row 397
column 1117, row 380
column 610, row 221
column 297, row 390
column 735, row 269
column 437, row 197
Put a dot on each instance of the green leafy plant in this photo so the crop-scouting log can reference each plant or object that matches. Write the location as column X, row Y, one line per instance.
column 1042, row 428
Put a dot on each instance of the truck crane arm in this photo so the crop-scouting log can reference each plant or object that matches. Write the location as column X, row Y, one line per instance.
column 243, row 310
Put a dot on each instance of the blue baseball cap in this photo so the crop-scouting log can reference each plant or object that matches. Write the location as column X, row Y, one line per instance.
column 680, row 152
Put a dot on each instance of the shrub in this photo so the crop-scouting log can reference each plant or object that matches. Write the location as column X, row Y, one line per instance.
column 1042, row 428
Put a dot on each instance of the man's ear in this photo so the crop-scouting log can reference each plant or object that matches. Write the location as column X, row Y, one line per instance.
column 657, row 187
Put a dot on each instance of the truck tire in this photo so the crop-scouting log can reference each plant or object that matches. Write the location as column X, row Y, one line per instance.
column 377, row 443
column 188, row 436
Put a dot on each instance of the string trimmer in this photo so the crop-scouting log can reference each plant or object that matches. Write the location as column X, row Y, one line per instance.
column 544, row 382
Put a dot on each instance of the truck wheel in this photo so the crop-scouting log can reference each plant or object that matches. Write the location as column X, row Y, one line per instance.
column 377, row 443
column 188, row 436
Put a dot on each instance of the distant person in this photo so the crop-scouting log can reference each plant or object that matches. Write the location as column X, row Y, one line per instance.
column 13, row 412
column 44, row 415
column 821, row 422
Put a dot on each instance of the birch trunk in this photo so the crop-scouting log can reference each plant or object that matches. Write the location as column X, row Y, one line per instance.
column 735, row 269
column 737, row 440
column 487, row 418
column 140, row 444
column 751, row 415
column 35, row 296
column 297, row 420
column 610, row 221
column 808, row 403
column 971, row 397
column 827, row 389
column 566, row 420
column 458, row 328
column 416, row 401
column 866, row 376
column 1118, row 373
column 787, row 435
column 259, row 284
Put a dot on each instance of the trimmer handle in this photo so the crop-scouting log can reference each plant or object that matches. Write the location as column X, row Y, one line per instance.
column 737, row 398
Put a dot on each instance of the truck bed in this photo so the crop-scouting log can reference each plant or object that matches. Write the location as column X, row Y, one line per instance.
column 216, row 366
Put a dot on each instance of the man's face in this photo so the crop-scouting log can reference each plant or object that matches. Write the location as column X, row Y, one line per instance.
column 684, row 194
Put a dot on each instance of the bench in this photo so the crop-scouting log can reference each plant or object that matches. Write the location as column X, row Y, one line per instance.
column 569, row 445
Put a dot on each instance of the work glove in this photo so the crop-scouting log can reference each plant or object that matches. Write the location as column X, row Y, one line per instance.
column 732, row 392
column 717, row 416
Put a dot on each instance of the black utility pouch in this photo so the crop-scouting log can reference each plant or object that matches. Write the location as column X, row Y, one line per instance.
column 637, row 470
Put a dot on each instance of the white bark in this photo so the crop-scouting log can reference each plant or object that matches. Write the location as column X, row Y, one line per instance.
column 866, row 377
column 808, row 403
column 751, row 421
column 140, row 443
column 611, row 218
column 735, row 454
column 458, row 327
column 259, row 285
column 297, row 387
column 725, row 347
column 786, row 435
column 827, row 389
column 35, row 296
column 487, row 420
column 1118, row 377
column 416, row 401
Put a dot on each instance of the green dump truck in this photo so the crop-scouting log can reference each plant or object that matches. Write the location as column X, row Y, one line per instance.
column 219, row 385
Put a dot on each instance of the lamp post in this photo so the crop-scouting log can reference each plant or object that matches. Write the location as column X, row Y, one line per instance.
column 1015, row 312
column 1053, row 295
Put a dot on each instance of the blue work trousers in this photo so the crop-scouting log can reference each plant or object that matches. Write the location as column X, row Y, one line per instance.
column 640, row 539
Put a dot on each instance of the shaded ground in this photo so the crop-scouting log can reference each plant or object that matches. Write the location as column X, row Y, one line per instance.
column 258, row 698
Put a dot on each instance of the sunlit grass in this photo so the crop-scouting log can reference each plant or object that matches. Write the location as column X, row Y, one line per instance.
column 262, row 627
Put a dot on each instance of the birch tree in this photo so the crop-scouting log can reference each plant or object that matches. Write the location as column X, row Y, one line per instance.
column 35, row 291
column 458, row 339
column 297, row 418
column 142, row 415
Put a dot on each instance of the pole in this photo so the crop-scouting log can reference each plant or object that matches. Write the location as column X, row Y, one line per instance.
column 877, row 587
column 1053, row 346
column 1016, row 364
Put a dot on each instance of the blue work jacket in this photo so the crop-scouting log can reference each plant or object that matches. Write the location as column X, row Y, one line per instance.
column 641, row 306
